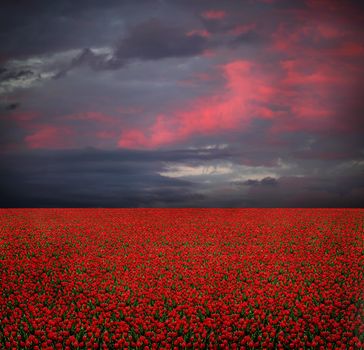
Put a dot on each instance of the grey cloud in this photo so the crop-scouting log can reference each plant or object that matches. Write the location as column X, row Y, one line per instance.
column 154, row 39
column 147, row 87
column 95, row 61
column 12, row 106
column 332, row 147
column 91, row 178
column 250, row 37
column 95, row 178
column 267, row 181
column 308, row 191
column 88, row 179
column 14, row 74
column 16, row 78
column 8, row 106
column 37, row 27
column 149, row 40
column 91, row 156
column 9, row 136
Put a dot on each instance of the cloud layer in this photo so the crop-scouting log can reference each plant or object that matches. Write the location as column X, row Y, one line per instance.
column 254, row 103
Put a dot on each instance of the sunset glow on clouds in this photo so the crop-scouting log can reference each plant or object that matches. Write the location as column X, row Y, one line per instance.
column 214, row 14
column 50, row 137
column 271, row 80
column 232, row 108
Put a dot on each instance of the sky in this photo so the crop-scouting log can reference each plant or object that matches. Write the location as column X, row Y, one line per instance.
column 182, row 103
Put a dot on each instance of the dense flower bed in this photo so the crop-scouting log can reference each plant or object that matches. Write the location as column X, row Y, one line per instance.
column 181, row 278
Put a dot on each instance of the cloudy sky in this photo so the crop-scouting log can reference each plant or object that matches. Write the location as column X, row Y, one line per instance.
column 181, row 103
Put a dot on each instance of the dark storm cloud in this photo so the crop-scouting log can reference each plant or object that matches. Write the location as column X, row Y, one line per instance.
column 9, row 135
column 95, row 178
column 149, row 40
column 89, row 178
column 328, row 147
column 39, row 27
column 154, row 39
column 12, row 106
column 309, row 191
column 267, row 181
column 8, row 106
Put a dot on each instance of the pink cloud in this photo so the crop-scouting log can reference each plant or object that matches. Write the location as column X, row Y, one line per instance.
column 234, row 108
column 214, row 14
column 208, row 53
column 242, row 29
column 309, row 72
column 329, row 31
column 22, row 117
column 297, row 90
column 51, row 137
column 303, row 90
column 327, row 22
column 308, row 90
column 350, row 49
column 322, row 68
column 60, row 136
column 132, row 139
column 200, row 32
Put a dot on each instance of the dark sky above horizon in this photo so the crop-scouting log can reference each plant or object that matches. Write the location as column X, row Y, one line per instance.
column 181, row 103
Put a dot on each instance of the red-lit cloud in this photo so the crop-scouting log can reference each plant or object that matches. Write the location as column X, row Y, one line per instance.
column 321, row 69
column 233, row 108
column 302, row 89
column 201, row 32
column 302, row 78
column 51, row 137
column 242, row 29
column 26, row 116
column 214, row 14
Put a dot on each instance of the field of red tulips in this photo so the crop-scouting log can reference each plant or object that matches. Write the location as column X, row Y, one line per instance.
column 181, row 278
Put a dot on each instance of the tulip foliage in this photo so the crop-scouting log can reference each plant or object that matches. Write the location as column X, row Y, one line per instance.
column 181, row 278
